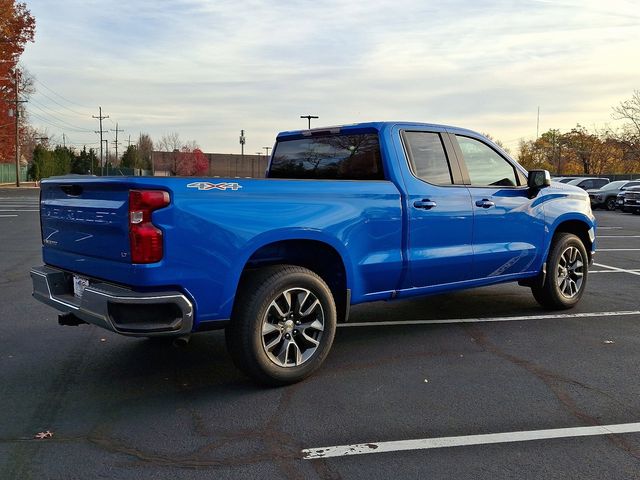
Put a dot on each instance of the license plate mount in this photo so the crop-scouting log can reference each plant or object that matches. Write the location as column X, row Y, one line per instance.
column 79, row 284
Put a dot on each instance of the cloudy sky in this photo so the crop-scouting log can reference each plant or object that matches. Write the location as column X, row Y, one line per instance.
column 208, row 68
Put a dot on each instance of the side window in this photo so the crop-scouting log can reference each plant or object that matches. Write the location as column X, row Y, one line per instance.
column 485, row 166
column 427, row 157
column 585, row 185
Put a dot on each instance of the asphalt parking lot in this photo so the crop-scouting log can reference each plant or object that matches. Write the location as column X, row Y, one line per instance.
column 526, row 393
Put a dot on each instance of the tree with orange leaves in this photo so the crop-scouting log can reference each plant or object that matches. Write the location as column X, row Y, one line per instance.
column 17, row 27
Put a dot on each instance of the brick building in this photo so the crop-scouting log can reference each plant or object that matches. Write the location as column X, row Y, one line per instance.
column 226, row 165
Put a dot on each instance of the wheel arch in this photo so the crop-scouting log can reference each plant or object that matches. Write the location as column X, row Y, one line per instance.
column 580, row 227
column 319, row 256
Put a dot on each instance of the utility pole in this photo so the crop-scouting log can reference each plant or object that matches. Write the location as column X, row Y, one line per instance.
column 538, row 124
column 129, row 144
column 309, row 117
column 267, row 149
column 101, row 131
column 17, row 101
column 106, row 147
column 243, row 140
column 64, row 141
column 116, row 142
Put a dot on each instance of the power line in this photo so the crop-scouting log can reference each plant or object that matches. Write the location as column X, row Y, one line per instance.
column 57, row 110
column 58, row 95
column 61, row 105
column 61, row 120
column 60, row 127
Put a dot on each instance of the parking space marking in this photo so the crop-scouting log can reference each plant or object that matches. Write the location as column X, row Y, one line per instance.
column 467, row 440
column 493, row 319
column 609, row 228
column 614, row 271
column 618, row 250
column 5, row 216
column 618, row 236
column 21, row 210
column 623, row 270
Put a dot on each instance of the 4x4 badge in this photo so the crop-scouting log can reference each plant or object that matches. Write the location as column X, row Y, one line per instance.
column 215, row 186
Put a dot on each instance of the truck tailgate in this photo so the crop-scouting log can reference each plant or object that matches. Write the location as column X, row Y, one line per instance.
column 86, row 218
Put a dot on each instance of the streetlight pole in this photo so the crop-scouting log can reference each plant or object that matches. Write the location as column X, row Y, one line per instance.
column 309, row 117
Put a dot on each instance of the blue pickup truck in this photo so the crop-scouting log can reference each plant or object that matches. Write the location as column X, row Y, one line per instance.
column 346, row 215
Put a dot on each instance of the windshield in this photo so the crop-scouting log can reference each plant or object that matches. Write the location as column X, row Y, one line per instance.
column 614, row 185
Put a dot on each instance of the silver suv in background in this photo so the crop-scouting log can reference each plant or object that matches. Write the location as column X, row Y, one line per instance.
column 606, row 197
column 588, row 183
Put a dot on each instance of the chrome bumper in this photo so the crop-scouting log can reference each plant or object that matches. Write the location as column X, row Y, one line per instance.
column 115, row 308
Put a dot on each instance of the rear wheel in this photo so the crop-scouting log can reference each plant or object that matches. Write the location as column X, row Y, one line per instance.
column 283, row 324
column 610, row 204
column 567, row 270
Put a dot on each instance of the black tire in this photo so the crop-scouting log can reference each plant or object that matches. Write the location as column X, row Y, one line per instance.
column 610, row 204
column 566, row 278
column 256, row 324
column 636, row 211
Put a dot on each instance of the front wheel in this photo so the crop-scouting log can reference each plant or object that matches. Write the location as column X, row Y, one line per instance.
column 283, row 324
column 567, row 270
column 610, row 204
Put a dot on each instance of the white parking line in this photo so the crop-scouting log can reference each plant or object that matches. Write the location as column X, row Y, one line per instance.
column 5, row 216
column 614, row 271
column 466, row 440
column 493, row 319
column 623, row 270
column 618, row 250
column 609, row 228
column 15, row 210
column 618, row 236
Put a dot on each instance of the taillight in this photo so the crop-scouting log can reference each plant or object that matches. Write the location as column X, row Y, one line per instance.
column 144, row 236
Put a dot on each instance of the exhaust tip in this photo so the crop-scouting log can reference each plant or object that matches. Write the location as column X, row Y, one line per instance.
column 182, row 341
column 70, row 320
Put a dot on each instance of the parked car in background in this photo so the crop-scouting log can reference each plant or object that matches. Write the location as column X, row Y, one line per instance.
column 630, row 200
column 588, row 183
column 606, row 197
column 562, row 179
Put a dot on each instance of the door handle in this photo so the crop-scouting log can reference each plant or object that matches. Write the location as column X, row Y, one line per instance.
column 485, row 203
column 425, row 204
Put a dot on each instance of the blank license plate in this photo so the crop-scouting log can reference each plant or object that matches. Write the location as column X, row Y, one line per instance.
column 79, row 284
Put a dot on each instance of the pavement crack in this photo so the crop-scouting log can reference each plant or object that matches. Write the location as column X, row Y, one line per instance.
column 555, row 382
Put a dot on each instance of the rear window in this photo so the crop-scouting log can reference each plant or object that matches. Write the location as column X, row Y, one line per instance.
column 337, row 157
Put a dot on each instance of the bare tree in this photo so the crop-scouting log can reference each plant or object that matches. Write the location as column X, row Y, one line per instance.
column 629, row 110
column 170, row 142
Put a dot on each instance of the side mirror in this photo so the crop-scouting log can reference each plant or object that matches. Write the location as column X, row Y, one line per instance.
column 538, row 179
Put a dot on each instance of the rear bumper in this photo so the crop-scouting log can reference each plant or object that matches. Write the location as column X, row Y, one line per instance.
column 115, row 308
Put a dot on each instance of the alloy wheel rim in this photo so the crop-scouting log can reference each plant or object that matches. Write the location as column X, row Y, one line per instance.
column 292, row 327
column 570, row 272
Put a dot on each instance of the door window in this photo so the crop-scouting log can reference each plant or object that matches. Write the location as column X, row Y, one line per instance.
column 485, row 166
column 428, row 158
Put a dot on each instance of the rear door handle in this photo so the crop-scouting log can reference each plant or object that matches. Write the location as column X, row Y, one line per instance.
column 425, row 204
column 485, row 203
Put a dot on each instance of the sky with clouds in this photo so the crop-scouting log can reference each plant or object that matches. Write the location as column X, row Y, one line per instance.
column 208, row 68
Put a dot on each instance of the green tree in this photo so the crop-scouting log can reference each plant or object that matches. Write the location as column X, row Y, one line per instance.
column 84, row 162
column 130, row 158
column 145, row 150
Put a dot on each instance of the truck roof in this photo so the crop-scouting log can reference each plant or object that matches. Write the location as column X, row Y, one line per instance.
column 365, row 126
